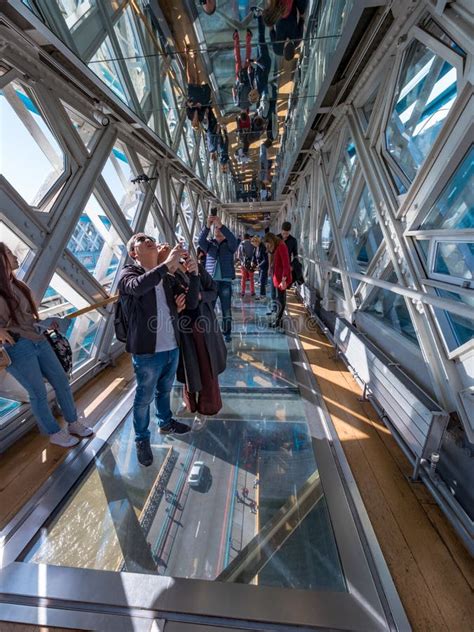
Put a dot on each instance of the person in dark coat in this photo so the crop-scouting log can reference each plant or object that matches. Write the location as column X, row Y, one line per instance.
column 287, row 33
column 203, row 354
column 220, row 265
column 262, row 265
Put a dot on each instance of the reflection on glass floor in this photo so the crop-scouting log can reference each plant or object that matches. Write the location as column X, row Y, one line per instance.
column 257, row 515
column 258, row 475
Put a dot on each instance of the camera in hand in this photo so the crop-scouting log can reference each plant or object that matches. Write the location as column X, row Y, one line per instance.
column 214, row 211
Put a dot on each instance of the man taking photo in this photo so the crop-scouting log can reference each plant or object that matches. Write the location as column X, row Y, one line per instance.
column 147, row 294
column 220, row 251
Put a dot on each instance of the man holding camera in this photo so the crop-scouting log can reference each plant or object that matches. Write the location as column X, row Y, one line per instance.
column 150, row 302
column 220, row 251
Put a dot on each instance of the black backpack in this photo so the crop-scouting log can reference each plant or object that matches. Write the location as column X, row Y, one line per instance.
column 120, row 321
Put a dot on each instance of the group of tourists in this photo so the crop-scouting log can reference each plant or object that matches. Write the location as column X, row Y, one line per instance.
column 167, row 303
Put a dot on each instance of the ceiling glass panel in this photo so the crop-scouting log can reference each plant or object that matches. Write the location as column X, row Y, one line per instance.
column 104, row 66
column 127, row 35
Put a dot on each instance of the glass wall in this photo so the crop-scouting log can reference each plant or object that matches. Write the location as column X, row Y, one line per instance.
column 77, row 183
column 393, row 179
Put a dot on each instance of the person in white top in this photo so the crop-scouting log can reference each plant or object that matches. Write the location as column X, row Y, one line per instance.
column 148, row 294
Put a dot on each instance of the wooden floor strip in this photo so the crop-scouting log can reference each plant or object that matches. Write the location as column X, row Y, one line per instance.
column 27, row 464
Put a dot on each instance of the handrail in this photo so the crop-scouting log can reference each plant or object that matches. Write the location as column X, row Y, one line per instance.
column 90, row 308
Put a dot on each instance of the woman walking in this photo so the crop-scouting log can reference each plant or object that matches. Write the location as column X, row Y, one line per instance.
column 280, row 264
column 32, row 357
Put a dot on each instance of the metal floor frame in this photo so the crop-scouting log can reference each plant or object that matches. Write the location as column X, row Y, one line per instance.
column 103, row 600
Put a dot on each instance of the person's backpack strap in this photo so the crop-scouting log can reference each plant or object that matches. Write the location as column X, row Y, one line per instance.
column 120, row 320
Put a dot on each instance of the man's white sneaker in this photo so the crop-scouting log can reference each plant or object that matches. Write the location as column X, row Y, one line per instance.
column 63, row 438
column 79, row 429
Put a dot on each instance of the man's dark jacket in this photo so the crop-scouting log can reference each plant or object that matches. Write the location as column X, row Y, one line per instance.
column 292, row 246
column 224, row 251
column 137, row 293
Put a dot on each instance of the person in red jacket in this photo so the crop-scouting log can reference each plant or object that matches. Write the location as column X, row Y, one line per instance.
column 280, row 264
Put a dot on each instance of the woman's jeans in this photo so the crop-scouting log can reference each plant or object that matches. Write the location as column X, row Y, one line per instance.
column 31, row 363
column 155, row 373
column 224, row 293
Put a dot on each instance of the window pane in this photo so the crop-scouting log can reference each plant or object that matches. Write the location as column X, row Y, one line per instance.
column 61, row 299
column 432, row 27
column 454, row 209
column 96, row 243
column 462, row 328
column 152, row 229
column 30, row 157
column 368, row 108
column 326, row 235
column 335, row 282
column 344, row 175
column 107, row 70
column 84, row 128
column 73, row 11
column 392, row 310
column 364, row 235
column 455, row 259
column 127, row 36
column 426, row 90
column 118, row 175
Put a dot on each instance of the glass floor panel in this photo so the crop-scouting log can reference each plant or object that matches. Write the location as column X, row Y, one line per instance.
column 274, row 405
column 258, row 490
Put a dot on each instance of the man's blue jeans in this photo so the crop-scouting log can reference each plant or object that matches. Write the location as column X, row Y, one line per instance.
column 224, row 293
column 31, row 362
column 155, row 373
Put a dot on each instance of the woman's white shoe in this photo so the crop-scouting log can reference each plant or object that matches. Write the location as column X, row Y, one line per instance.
column 63, row 438
column 79, row 429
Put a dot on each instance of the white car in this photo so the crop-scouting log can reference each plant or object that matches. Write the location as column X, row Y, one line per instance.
column 196, row 475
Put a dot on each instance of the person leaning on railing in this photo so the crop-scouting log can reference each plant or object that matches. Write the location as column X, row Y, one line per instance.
column 32, row 357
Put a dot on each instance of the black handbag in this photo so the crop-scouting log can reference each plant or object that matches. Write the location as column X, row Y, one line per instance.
column 61, row 348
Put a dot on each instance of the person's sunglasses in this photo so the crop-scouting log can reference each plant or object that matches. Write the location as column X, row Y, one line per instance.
column 143, row 238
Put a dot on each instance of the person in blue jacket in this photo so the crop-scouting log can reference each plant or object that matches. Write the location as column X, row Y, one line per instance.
column 220, row 265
